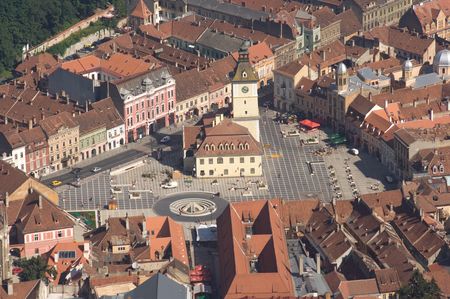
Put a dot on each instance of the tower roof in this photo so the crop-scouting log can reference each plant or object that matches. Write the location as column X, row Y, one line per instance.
column 141, row 10
column 342, row 69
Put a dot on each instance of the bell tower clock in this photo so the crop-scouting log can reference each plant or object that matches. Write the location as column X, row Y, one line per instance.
column 245, row 93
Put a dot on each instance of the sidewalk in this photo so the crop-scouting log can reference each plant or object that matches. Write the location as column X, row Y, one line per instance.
column 143, row 145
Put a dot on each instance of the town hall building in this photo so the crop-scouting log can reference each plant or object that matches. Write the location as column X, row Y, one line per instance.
column 228, row 147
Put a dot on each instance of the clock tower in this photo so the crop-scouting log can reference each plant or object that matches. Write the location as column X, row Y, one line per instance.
column 245, row 93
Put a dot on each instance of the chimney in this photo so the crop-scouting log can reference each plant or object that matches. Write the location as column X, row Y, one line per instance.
column 370, row 96
column 40, row 201
column 144, row 227
column 431, row 112
column 318, row 263
column 87, row 106
column 386, row 103
column 86, row 250
column 42, row 116
column 30, row 124
column 127, row 222
column 9, row 287
column 7, row 199
column 323, row 54
column 300, row 264
column 107, row 224
column 56, row 257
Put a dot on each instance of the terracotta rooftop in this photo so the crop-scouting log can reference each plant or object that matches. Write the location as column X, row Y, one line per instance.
column 108, row 113
column 426, row 12
column 118, row 65
column 30, row 217
column 252, row 251
column 400, row 39
column 11, row 178
column 383, row 203
column 89, row 122
column 422, row 238
column 441, row 275
column 43, row 62
column 350, row 23
column 22, row 290
column 239, row 139
column 257, row 53
column 51, row 125
column 387, row 280
column 141, row 10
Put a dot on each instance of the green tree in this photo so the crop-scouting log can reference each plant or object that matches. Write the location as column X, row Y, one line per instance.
column 34, row 268
column 419, row 288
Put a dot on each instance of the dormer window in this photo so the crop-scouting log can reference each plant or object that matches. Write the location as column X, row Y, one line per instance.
column 241, row 146
column 435, row 169
column 206, row 147
column 213, row 147
column 221, row 146
column 232, row 147
column 227, row 147
column 441, row 168
column 244, row 74
column 247, row 146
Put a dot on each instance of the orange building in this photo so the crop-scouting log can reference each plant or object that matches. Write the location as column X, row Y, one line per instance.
column 253, row 257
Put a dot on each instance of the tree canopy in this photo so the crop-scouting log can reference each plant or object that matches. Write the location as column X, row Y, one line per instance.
column 33, row 21
column 34, row 268
column 419, row 288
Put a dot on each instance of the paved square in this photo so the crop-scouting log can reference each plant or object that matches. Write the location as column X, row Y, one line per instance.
column 291, row 171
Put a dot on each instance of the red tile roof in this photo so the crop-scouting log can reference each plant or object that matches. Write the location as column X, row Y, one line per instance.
column 266, row 246
column 141, row 10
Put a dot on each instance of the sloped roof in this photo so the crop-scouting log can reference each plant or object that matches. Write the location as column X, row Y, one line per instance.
column 22, row 290
column 141, row 10
column 11, row 178
column 108, row 113
column 159, row 286
column 29, row 217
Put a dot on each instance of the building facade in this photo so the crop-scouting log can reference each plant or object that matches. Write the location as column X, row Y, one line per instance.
column 62, row 132
column 377, row 13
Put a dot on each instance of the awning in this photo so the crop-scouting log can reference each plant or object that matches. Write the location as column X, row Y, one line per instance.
column 309, row 124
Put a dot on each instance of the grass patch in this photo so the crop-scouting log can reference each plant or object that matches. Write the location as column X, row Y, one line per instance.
column 88, row 217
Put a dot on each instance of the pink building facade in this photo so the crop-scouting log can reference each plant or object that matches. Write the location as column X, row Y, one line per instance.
column 148, row 103
column 38, row 243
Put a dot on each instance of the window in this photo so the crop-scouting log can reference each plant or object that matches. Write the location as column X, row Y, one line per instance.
column 211, row 172
column 241, row 160
column 225, row 172
column 202, row 161
column 36, row 237
column 252, row 159
column 220, row 146
column 220, row 160
column 60, row 234
column 66, row 254
column 202, row 172
column 252, row 171
column 206, row 147
column 210, row 161
column 227, row 147
column 231, row 160
column 247, row 146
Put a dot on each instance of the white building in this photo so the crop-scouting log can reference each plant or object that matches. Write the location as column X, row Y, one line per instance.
column 115, row 126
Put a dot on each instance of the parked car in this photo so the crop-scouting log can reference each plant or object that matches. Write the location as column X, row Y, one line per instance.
column 96, row 169
column 165, row 139
column 76, row 170
column 170, row 185
column 56, row 183
column 354, row 151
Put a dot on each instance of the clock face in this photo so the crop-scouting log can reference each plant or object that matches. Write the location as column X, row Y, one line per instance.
column 244, row 89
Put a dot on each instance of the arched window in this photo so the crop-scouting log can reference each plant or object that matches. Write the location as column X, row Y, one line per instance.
column 232, row 147
column 441, row 168
column 227, row 147
column 213, row 147
column 435, row 169
column 221, row 146
column 206, row 147
column 244, row 75
column 247, row 146
column 241, row 146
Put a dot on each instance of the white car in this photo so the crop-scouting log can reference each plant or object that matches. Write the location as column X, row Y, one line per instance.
column 165, row 139
column 170, row 185
column 96, row 169
column 354, row 151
